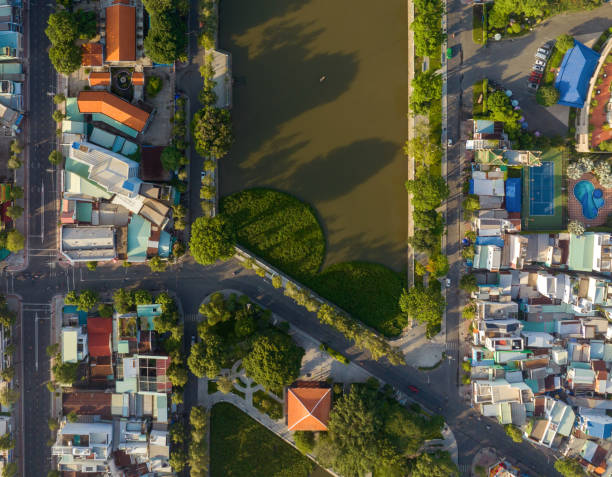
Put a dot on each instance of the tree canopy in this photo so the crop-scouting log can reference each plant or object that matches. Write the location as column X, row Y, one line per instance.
column 438, row 464
column 211, row 239
column 547, row 95
column 427, row 27
column 166, row 40
column 426, row 305
column 426, row 87
column 212, row 131
column 564, row 43
column 429, row 190
column 123, row 300
column 569, row 468
column 205, row 356
column 171, row 158
column 274, row 361
column 15, row 241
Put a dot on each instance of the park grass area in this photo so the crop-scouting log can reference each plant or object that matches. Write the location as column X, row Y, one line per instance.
column 274, row 226
column 479, row 104
column 550, row 72
column 479, row 30
column 368, row 291
column 241, row 447
column 546, row 222
column 279, row 228
column 267, row 404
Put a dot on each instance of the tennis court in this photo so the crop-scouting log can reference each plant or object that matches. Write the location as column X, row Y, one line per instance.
column 541, row 190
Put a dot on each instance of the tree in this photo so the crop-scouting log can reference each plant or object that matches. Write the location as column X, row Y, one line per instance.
column 55, row 158
column 154, row 85
column 212, row 131
column 225, row 384
column 178, row 433
column 304, row 441
column 14, row 211
column 16, row 192
column 468, row 283
column 88, row 300
column 14, row 241
column 105, row 310
column 58, row 116
column 143, row 297
column 171, row 158
column 514, row 432
column 471, row 203
column 274, row 361
column 205, row 357
column 438, row 464
column 53, row 473
column 211, row 239
column 14, row 162
column 429, row 190
column 178, row 459
column 277, row 281
column 92, row 265
column 8, row 374
column 423, row 150
column 425, row 305
column 156, row 264
column 66, row 57
column 425, row 241
column 547, row 95
column 564, row 43
column 427, row 29
column 8, row 396
column 209, row 165
column 16, row 148
column 177, row 374
column 61, row 28
column 65, row 373
column 59, row 98
column 438, row 265
column 207, row 192
column 10, row 469
column 426, row 88
column 244, row 326
column 123, row 300
column 53, row 349
column 165, row 40
column 569, row 468
column 575, row 227
column 6, row 442
column 72, row 416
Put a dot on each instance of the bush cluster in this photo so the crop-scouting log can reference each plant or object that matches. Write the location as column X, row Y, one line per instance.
column 166, row 40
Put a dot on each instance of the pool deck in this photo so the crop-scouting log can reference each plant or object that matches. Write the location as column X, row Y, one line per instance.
column 575, row 207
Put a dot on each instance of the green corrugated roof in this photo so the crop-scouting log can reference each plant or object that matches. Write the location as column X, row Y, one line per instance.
column 78, row 168
column 72, row 110
column 581, row 252
column 83, row 210
column 490, row 156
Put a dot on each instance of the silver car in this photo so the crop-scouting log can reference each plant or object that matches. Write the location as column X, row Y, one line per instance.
column 538, row 68
column 541, row 56
column 540, row 62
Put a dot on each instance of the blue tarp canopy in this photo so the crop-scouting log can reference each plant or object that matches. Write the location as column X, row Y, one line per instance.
column 513, row 194
column 498, row 241
column 471, row 186
column 572, row 81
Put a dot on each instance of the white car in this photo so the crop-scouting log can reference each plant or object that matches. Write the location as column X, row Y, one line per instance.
column 541, row 56
column 540, row 62
column 538, row 68
column 450, row 142
column 544, row 51
column 448, row 283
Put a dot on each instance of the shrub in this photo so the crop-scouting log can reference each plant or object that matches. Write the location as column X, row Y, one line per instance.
column 55, row 157
column 575, row 227
column 154, row 85
column 92, row 265
column 304, row 441
column 564, row 43
column 514, row 432
column 334, row 354
column 547, row 95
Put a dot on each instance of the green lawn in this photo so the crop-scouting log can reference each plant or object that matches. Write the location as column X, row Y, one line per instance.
column 546, row 222
column 479, row 34
column 267, row 405
column 480, row 87
column 241, row 447
column 286, row 233
column 279, row 228
column 553, row 63
column 368, row 291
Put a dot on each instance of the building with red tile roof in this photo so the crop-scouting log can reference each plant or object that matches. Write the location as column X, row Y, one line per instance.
column 99, row 78
column 90, row 102
column 92, row 54
column 99, row 336
column 120, row 33
column 308, row 406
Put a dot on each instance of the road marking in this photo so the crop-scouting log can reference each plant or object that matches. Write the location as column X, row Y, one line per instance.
column 195, row 317
column 465, row 469
column 452, row 345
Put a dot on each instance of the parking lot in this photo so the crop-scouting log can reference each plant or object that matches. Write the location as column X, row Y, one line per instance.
column 509, row 62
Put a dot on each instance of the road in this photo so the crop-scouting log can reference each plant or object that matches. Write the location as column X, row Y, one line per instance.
column 44, row 278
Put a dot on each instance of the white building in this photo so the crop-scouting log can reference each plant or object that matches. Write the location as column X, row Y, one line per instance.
column 83, row 447
column 74, row 344
column 85, row 243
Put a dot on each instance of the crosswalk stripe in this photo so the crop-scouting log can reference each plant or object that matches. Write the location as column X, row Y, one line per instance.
column 192, row 317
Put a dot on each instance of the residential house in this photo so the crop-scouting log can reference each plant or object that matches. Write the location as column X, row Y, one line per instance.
column 120, row 32
column 87, row 243
column 74, row 344
column 308, row 406
column 83, row 447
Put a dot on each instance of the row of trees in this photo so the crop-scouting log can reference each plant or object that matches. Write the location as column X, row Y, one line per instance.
column 427, row 27
column 166, row 40
column 63, row 29
column 425, row 305
column 387, row 441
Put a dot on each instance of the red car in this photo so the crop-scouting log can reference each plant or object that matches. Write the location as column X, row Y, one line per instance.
column 535, row 75
column 414, row 389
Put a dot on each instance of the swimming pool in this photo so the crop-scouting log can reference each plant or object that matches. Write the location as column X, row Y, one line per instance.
column 590, row 198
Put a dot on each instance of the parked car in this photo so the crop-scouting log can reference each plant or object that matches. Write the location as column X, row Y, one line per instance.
column 539, row 68
column 450, row 142
column 414, row 389
column 535, row 75
column 448, row 283
column 544, row 50
column 540, row 62
column 541, row 56
column 532, row 86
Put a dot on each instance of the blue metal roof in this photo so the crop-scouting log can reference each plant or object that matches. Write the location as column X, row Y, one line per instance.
column 572, row 81
column 598, row 429
column 513, row 194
